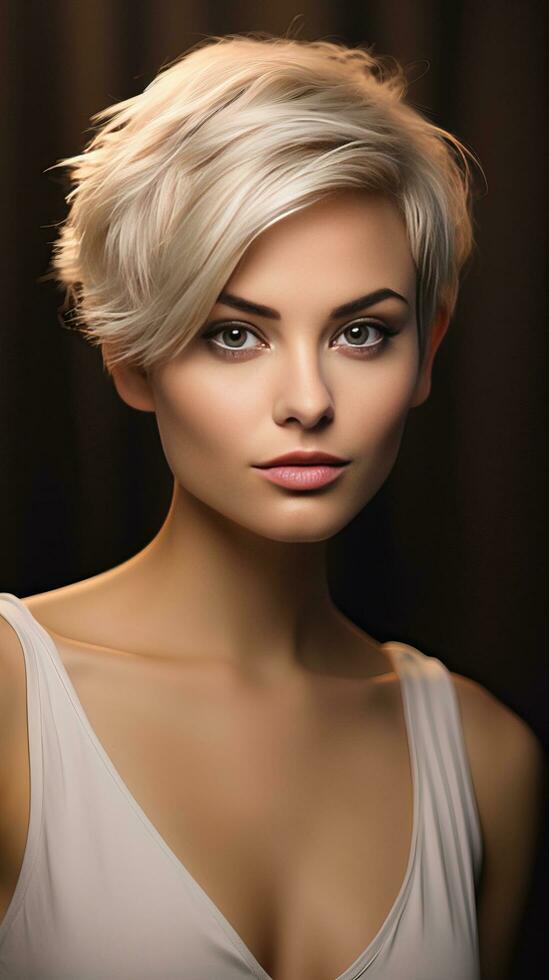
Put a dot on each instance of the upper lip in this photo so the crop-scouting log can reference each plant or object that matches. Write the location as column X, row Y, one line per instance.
column 304, row 457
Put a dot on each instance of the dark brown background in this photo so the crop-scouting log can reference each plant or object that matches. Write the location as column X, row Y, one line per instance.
column 450, row 555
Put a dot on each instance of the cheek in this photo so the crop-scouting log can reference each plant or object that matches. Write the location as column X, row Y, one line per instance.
column 201, row 419
column 379, row 403
column 378, row 406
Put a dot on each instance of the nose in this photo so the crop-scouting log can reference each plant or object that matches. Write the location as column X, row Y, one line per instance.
column 302, row 394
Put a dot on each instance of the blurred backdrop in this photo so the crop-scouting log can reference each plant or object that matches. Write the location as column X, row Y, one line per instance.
column 450, row 554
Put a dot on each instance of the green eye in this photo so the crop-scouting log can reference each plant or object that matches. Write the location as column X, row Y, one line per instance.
column 232, row 338
column 359, row 332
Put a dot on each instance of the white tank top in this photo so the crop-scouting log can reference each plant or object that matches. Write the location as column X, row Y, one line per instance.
column 101, row 896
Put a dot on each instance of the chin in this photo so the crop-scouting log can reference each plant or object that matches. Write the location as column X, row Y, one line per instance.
column 301, row 531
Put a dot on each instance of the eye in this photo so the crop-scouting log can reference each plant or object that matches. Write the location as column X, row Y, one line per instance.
column 233, row 338
column 359, row 332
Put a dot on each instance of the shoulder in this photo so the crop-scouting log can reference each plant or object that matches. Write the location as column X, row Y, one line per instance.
column 503, row 750
column 487, row 720
column 12, row 697
column 11, row 665
column 508, row 769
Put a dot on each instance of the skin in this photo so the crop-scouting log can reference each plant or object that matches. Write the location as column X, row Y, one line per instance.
column 300, row 385
column 261, row 549
column 221, row 633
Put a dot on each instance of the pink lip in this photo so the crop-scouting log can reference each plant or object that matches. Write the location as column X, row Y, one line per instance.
column 303, row 457
column 301, row 477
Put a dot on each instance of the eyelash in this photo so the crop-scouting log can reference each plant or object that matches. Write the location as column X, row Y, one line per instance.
column 235, row 354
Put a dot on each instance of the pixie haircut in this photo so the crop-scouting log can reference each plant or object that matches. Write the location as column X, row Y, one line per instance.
column 236, row 134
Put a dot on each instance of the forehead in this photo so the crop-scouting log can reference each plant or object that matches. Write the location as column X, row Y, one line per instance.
column 334, row 248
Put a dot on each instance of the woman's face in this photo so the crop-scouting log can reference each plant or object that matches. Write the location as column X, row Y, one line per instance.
column 298, row 374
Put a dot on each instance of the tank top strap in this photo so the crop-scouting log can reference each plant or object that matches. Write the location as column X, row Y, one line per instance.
column 17, row 615
column 54, row 712
column 445, row 773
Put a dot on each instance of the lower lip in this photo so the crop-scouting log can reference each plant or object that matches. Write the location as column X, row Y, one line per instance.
column 301, row 477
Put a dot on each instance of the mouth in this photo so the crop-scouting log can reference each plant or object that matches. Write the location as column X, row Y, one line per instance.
column 319, row 470
column 303, row 457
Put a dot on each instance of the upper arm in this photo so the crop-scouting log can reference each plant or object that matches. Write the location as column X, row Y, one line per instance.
column 14, row 766
column 12, row 701
column 507, row 767
column 8, row 644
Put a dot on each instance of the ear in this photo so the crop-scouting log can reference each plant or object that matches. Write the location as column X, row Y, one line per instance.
column 133, row 386
column 438, row 329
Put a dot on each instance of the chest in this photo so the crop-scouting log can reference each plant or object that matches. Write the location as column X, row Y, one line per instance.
column 291, row 809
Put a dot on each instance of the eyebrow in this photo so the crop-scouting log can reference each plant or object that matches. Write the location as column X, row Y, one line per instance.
column 354, row 306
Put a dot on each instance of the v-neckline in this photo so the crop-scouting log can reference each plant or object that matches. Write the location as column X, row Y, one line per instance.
column 367, row 956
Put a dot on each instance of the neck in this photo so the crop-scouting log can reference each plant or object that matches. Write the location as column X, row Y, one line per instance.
column 262, row 604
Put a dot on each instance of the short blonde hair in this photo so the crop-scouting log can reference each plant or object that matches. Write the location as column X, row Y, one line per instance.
column 235, row 135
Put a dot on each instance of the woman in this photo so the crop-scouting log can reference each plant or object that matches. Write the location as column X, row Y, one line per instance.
column 226, row 777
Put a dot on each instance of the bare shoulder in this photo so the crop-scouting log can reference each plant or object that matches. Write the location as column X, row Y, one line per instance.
column 508, row 772
column 12, row 697
column 505, row 755
column 489, row 724
column 12, row 667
